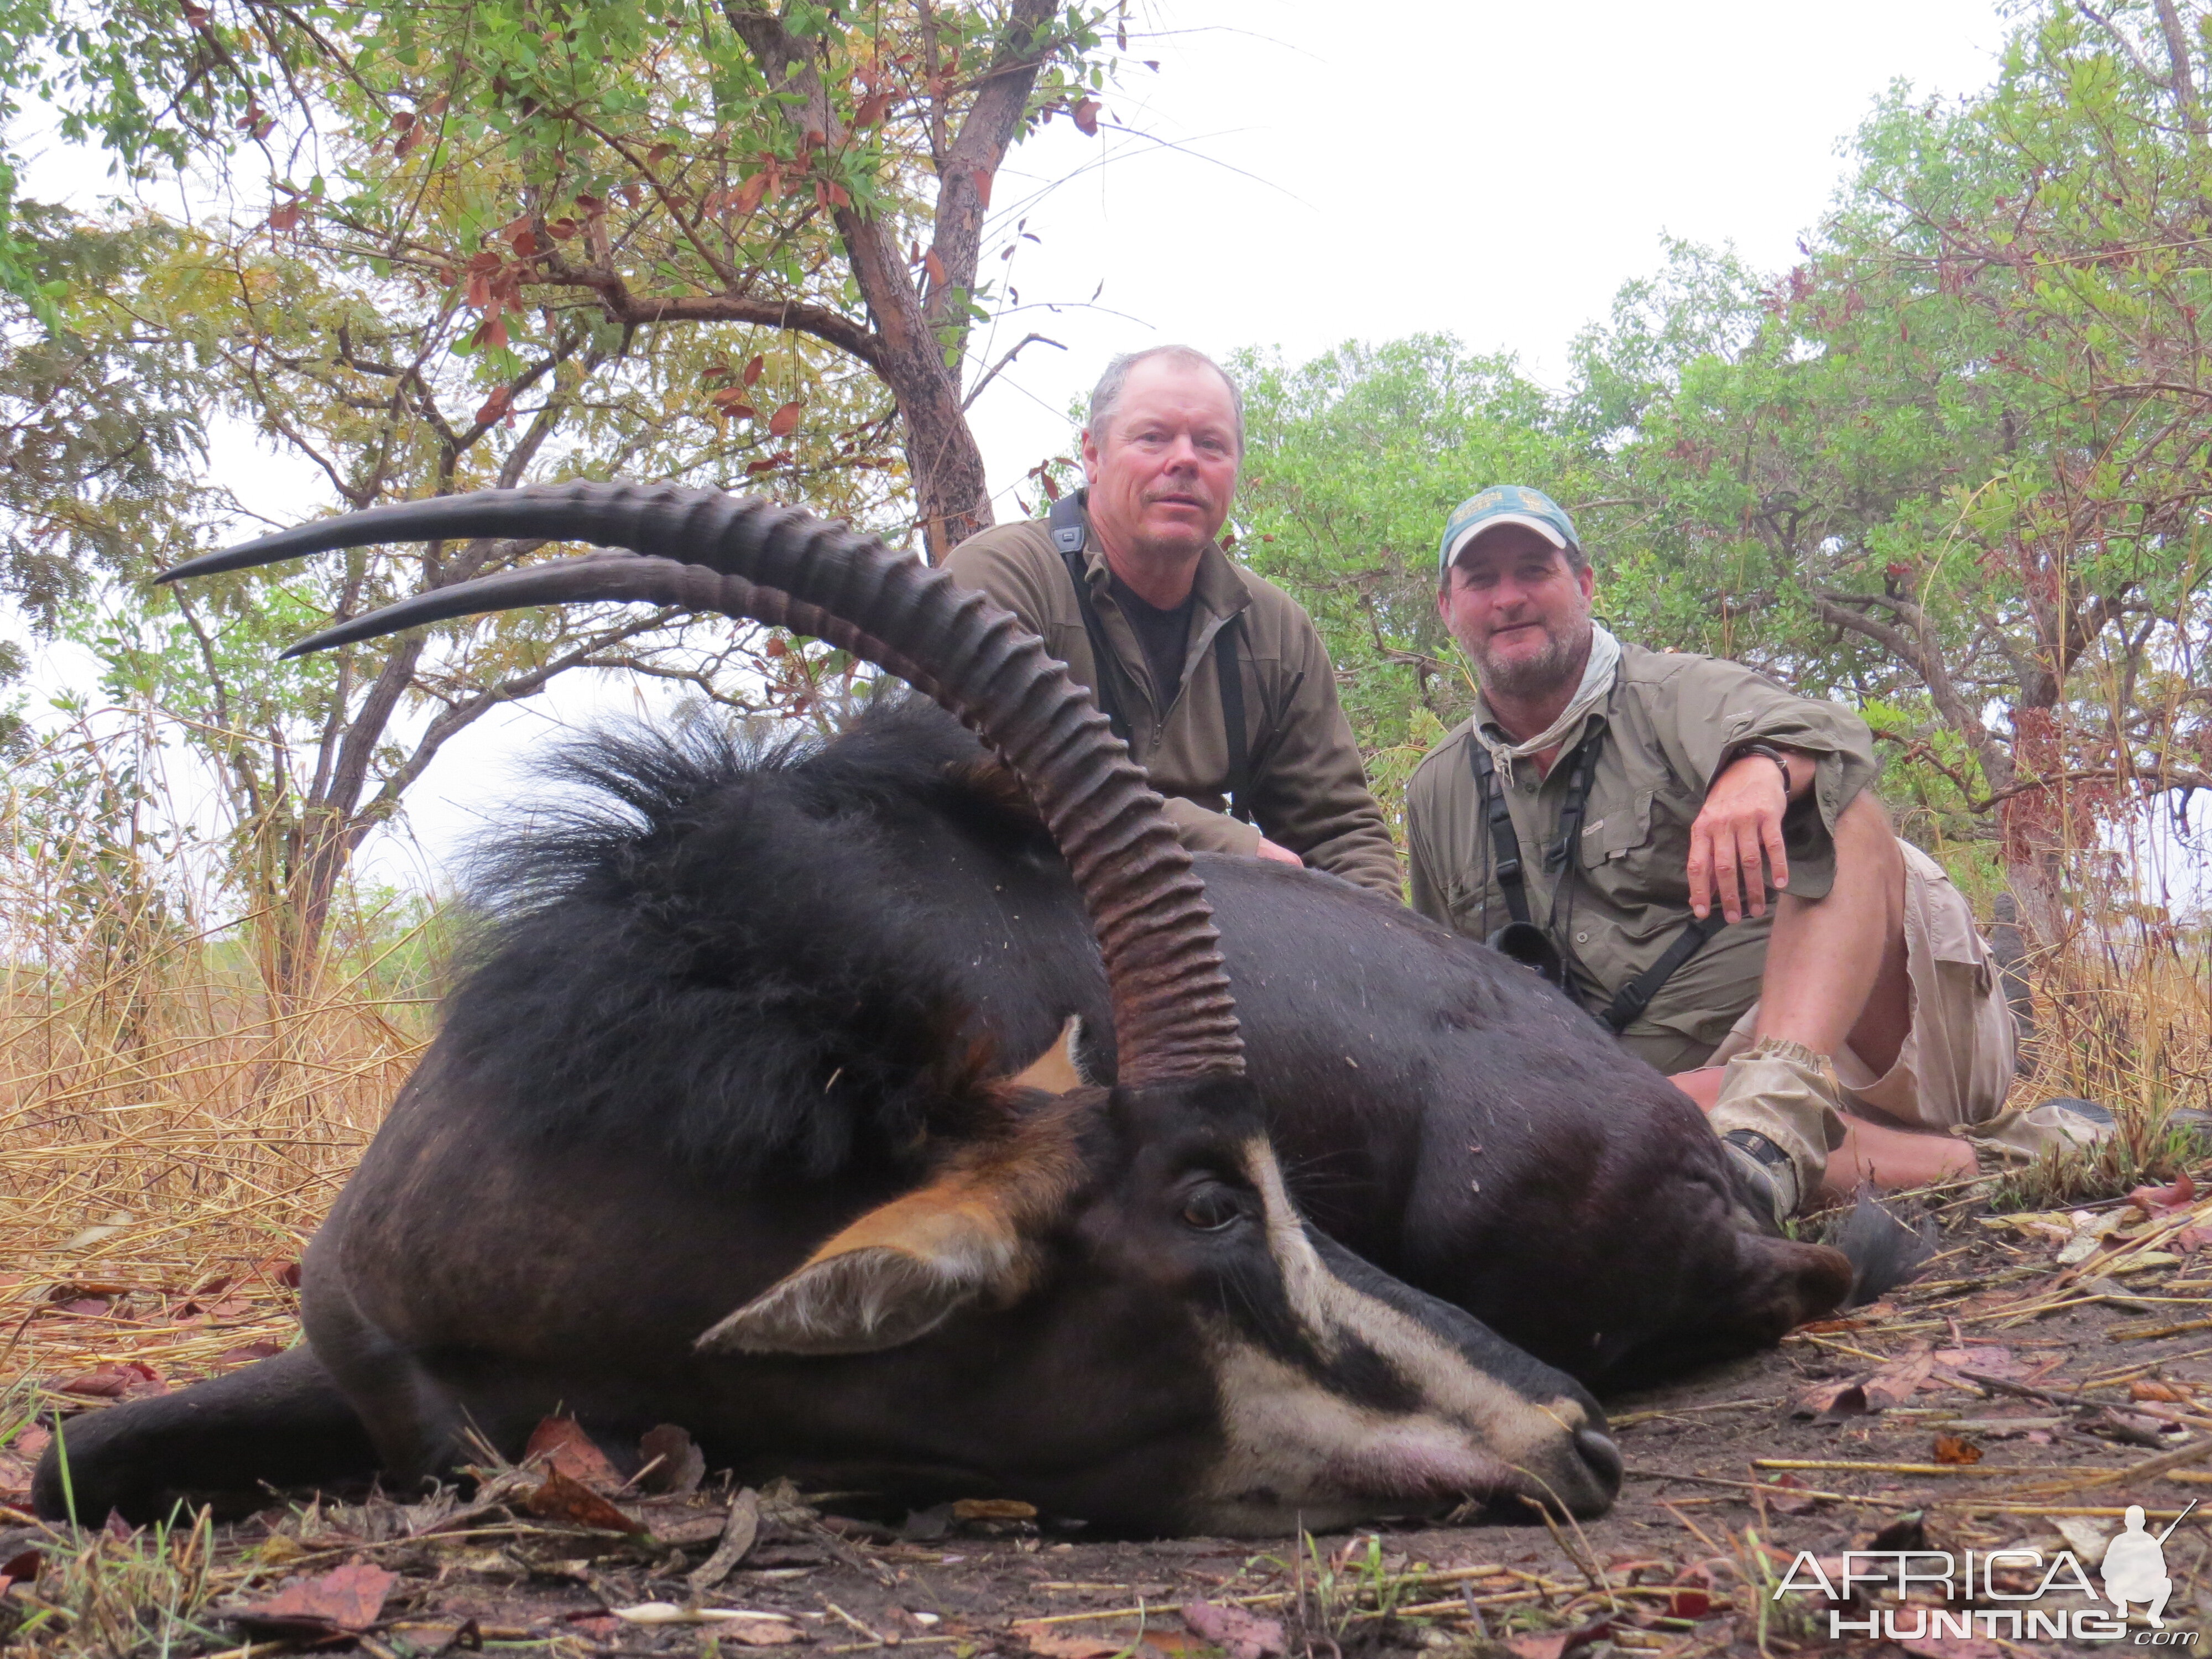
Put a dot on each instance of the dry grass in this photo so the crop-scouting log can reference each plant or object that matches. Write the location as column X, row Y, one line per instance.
column 170, row 1135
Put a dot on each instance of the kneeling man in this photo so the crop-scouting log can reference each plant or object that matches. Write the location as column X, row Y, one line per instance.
column 1639, row 808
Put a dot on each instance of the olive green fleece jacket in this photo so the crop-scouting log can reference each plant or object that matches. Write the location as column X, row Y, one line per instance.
column 1309, row 792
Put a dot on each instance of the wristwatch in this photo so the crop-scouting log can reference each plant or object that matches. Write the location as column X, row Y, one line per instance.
column 1754, row 747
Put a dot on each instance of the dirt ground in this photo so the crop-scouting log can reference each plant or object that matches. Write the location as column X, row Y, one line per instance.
column 2043, row 1372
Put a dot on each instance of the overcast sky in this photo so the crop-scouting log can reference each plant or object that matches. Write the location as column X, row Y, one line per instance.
column 1298, row 175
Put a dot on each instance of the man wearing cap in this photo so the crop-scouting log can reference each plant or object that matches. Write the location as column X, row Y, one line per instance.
column 1216, row 678
column 1637, row 808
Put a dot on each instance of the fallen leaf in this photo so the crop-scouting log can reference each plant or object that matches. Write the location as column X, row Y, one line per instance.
column 746, row 1625
column 348, row 1598
column 561, row 1444
column 561, row 1498
column 682, row 1465
column 1689, row 1603
column 1790, row 1504
column 1243, row 1635
column 2090, row 1232
column 127, row 1379
column 22, row 1568
column 1956, row 1449
column 249, row 1353
column 2085, row 1538
column 1832, row 1403
column 1952, row 1647
column 1898, row 1381
column 1066, row 1645
column 2165, row 1391
column 2155, row 1200
column 993, row 1509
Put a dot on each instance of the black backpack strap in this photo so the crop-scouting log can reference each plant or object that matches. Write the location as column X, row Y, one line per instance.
column 1233, row 718
column 1505, row 845
column 1633, row 998
column 1069, row 532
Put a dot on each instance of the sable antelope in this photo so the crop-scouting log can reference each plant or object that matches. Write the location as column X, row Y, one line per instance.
column 909, row 1274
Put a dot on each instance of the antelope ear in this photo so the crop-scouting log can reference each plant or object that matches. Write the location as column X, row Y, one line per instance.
column 902, row 1270
column 1056, row 1071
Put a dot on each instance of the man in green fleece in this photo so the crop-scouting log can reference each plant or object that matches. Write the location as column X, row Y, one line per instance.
column 1214, row 676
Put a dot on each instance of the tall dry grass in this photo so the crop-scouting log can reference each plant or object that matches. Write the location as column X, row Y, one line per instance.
column 168, row 1130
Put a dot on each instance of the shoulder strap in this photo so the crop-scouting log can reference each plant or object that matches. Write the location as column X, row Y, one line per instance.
column 1633, row 998
column 1069, row 533
column 1505, row 845
column 1232, row 717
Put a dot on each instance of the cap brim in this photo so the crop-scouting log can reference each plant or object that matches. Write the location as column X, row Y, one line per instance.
column 1457, row 545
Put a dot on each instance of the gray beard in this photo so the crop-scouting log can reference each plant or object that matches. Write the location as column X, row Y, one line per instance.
column 1530, row 677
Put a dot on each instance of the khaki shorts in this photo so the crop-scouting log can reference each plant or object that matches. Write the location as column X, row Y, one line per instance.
column 1957, row 1060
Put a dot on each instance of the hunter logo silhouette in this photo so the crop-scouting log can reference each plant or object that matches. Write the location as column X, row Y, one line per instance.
column 2135, row 1567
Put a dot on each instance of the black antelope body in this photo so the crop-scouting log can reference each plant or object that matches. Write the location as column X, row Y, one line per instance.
column 709, row 1137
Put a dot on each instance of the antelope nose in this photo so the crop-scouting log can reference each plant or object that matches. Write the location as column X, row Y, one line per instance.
column 1602, row 1458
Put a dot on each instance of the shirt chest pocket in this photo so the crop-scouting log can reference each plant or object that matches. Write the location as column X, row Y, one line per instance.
column 1616, row 824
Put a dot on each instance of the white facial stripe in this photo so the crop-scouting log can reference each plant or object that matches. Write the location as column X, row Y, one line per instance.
column 1294, row 1444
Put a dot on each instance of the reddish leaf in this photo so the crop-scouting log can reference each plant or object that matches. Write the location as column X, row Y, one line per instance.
column 492, row 333
column 350, row 1598
column 1689, row 1603
column 249, row 1352
column 781, row 424
column 1242, row 1635
column 753, row 370
column 1831, row 1402
column 116, row 1381
column 982, row 178
column 524, row 242
column 1086, row 118
column 681, row 1466
column 1952, row 1647
column 562, row 229
column 561, row 1498
column 561, row 1444
column 285, row 218
column 933, row 267
column 2165, row 1391
column 1956, row 1449
column 659, row 154
column 1069, row 1645
column 22, row 1568
column 1786, row 1495
column 2154, row 1199
column 499, row 405
column 747, row 197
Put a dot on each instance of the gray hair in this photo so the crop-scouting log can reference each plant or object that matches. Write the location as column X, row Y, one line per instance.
column 1106, row 396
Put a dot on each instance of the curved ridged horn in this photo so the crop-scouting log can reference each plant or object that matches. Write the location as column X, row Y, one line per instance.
column 1174, row 1017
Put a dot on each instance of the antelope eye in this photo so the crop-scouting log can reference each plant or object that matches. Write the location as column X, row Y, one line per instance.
column 1210, row 1207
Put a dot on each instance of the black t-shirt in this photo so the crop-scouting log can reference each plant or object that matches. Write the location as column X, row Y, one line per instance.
column 1165, row 635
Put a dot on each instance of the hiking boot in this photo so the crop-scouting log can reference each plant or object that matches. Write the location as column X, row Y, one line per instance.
column 1765, row 1181
column 1777, row 1114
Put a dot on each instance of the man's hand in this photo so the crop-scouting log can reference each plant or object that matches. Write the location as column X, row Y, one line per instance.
column 1269, row 849
column 1735, row 844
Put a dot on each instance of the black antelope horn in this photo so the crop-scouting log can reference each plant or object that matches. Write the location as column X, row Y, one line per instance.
column 1174, row 1017
column 616, row 578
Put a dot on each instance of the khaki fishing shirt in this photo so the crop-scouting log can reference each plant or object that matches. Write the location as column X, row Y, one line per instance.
column 1309, row 792
column 1670, row 722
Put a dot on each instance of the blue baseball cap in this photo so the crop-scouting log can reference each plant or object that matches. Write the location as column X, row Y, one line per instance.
column 1505, row 504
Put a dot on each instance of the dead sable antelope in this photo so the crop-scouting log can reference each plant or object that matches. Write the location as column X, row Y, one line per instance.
column 910, row 1275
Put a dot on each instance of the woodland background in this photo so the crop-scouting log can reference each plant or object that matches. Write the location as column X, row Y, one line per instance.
column 1952, row 467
